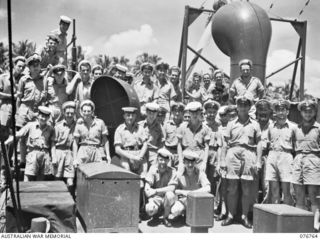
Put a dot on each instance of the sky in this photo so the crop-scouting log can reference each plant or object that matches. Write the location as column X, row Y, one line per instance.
column 130, row 27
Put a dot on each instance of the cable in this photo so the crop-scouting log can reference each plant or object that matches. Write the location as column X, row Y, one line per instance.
column 303, row 8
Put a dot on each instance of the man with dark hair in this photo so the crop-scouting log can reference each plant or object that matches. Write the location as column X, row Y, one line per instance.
column 49, row 54
column 174, row 75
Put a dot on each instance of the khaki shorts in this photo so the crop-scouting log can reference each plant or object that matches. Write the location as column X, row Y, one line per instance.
column 38, row 163
column 64, row 167
column 240, row 162
column 279, row 166
column 6, row 114
column 306, row 169
column 88, row 154
column 135, row 167
column 158, row 200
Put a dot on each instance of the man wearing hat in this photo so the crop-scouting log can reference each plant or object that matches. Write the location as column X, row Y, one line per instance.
column 31, row 92
column 190, row 179
column 61, row 33
column 263, row 115
column 120, row 71
column 130, row 142
column 166, row 89
column 49, row 55
column 246, row 83
column 218, row 90
column 62, row 153
column 160, row 195
column 154, row 132
column 5, row 90
column 211, row 109
column 56, row 90
column 195, row 136
column 174, row 76
column 306, row 164
column 39, row 141
column 81, row 82
column 162, row 115
column 242, row 161
column 281, row 147
column 97, row 71
column 145, row 88
column 170, row 131
column 91, row 134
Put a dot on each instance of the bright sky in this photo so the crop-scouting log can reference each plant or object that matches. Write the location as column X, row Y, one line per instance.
column 130, row 27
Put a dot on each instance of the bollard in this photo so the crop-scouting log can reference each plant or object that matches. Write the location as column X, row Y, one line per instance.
column 199, row 212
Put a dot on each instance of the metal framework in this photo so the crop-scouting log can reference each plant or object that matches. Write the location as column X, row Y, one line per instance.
column 299, row 26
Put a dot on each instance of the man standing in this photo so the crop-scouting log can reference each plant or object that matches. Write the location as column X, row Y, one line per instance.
column 91, row 134
column 170, row 131
column 61, row 33
column 62, row 153
column 306, row 164
column 242, row 161
column 160, row 195
column 195, row 136
column 40, row 141
column 145, row 88
column 174, row 75
column 246, row 83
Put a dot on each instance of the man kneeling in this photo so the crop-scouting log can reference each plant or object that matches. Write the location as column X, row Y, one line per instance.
column 191, row 179
column 160, row 195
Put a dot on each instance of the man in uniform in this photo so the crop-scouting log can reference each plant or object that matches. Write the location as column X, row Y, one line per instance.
column 61, row 33
column 195, row 136
column 49, row 55
column 170, row 131
column 166, row 89
column 91, row 134
column 62, row 154
column 190, row 179
column 160, row 195
column 242, row 160
column 306, row 164
column 174, row 75
column 281, row 147
column 154, row 132
column 218, row 90
column 40, row 140
column 146, row 90
column 207, row 82
column 246, row 83
column 195, row 90
column 97, row 71
column 130, row 142
column 119, row 71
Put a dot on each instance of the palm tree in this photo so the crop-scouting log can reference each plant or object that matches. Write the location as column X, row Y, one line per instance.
column 3, row 56
column 145, row 57
column 103, row 60
column 24, row 48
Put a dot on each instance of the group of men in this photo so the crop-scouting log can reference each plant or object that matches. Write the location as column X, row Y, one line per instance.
column 229, row 141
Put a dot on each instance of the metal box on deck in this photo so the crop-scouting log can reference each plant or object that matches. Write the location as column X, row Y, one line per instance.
column 108, row 198
column 281, row 218
column 199, row 212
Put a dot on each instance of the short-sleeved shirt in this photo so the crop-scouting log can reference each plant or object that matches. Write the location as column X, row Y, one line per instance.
column 170, row 133
column 307, row 142
column 246, row 134
column 264, row 135
column 37, row 137
column 62, row 45
column 154, row 133
column 193, row 140
column 281, row 137
column 239, row 87
column 126, row 138
column 5, row 86
column 166, row 93
column 57, row 92
column 215, row 135
column 147, row 92
column 92, row 134
column 195, row 181
column 30, row 90
column 64, row 134
column 156, row 179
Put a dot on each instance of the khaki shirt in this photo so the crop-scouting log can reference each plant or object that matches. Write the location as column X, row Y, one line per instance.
column 147, row 92
column 246, row 134
column 62, row 46
column 30, row 90
column 166, row 93
column 37, row 137
column 49, row 58
column 170, row 133
column 92, row 134
column 125, row 138
column 154, row 133
column 185, row 182
column 309, row 141
column 156, row 179
column 64, row 134
column 240, row 87
column 83, row 91
column 57, row 92
column 281, row 137
column 193, row 140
